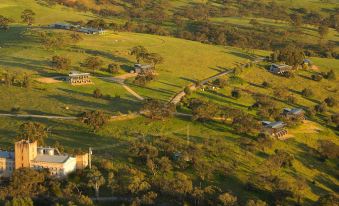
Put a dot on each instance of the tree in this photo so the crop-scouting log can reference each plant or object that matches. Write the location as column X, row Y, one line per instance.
column 33, row 131
column 256, row 203
column 59, row 62
column 291, row 55
column 93, row 63
column 244, row 124
column 323, row 31
column 27, row 16
column 321, row 108
column 97, row 93
column 95, row 180
column 95, row 119
column 236, row 93
column 330, row 101
column 156, row 109
column 26, row 182
column 4, row 23
column 139, row 52
column 328, row 200
column 24, row 201
column 300, row 187
column 52, row 40
column 227, row 199
column 307, row 92
column 328, row 149
column 113, row 68
column 154, row 59
column 203, row 110
column 296, row 19
column 75, row 37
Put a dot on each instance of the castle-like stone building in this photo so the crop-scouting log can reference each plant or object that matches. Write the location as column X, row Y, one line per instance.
column 28, row 154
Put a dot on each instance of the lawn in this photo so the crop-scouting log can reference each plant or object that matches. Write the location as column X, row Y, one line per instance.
column 184, row 63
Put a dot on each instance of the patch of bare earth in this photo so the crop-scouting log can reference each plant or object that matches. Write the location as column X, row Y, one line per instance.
column 48, row 80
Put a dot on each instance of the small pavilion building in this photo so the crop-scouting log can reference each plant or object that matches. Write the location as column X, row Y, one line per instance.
column 78, row 78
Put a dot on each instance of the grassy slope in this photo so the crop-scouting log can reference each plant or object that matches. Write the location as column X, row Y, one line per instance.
column 183, row 59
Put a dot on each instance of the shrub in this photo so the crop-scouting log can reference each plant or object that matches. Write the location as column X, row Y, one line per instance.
column 97, row 93
column 307, row 92
column 291, row 99
column 236, row 93
column 187, row 90
column 317, row 77
column 330, row 101
column 266, row 84
column 288, row 74
column 113, row 68
column 321, row 108
column 60, row 62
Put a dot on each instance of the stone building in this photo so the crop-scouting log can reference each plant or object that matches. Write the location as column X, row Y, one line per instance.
column 28, row 154
column 6, row 163
column 82, row 161
column 78, row 78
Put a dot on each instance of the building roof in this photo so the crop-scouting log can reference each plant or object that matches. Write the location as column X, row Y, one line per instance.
column 143, row 66
column 63, row 24
column 7, row 155
column 276, row 125
column 51, row 158
column 281, row 66
column 77, row 73
column 294, row 111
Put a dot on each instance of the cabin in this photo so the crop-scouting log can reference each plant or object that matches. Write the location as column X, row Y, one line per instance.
column 79, row 78
column 91, row 30
column 279, row 68
column 307, row 62
column 294, row 113
column 142, row 68
column 275, row 129
column 65, row 26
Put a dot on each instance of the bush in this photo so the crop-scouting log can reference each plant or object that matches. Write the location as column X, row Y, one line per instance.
column 330, row 101
column 236, row 93
column 329, row 75
column 321, row 108
column 59, row 62
column 16, row 109
column 97, row 93
column 291, row 99
column 113, row 68
column 288, row 74
column 266, row 84
column 187, row 90
column 307, row 92
column 317, row 77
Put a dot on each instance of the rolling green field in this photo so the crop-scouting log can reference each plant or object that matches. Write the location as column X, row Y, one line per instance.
column 185, row 62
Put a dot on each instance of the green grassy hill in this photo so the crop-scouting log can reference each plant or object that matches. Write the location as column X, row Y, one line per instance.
column 185, row 62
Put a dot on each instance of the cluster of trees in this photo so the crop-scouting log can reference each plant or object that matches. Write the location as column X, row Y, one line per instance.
column 142, row 54
column 94, row 119
column 57, row 40
column 27, row 17
column 18, row 79
column 193, row 22
column 30, row 187
column 156, row 109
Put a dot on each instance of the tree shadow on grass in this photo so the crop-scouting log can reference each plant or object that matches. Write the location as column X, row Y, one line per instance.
column 114, row 105
column 105, row 55
column 328, row 183
column 187, row 79
column 169, row 84
column 220, row 98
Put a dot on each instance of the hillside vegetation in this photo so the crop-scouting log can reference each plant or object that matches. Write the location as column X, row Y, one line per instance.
column 211, row 150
